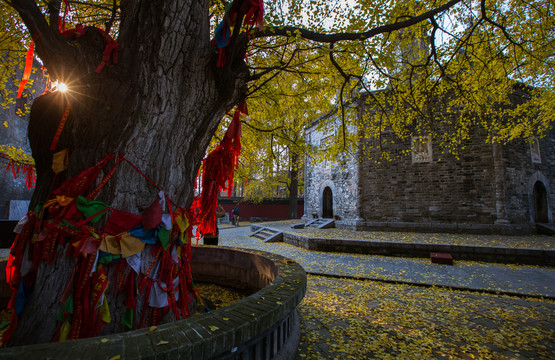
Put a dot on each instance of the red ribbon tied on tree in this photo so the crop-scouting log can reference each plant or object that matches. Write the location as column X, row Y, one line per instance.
column 218, row 172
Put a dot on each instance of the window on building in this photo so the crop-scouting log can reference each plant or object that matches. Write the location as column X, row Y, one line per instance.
column 535, row 151
column 421, row 149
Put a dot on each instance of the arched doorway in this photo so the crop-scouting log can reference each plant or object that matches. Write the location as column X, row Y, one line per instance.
column 540, row 203
column 327, row 203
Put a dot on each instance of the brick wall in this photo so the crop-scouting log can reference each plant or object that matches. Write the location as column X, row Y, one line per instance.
column 521, row 173
column 445, row 190
column 267, row 209
column 484, row 184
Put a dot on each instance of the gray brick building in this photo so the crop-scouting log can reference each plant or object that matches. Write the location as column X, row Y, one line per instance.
column 15, row 196
column 488, row 188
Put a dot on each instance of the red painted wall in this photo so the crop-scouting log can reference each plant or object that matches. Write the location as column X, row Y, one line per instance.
column 265, row 211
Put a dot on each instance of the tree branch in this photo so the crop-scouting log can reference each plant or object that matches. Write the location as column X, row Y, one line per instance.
column 31, row 16
column 260, row 129
column 347, row 78
column 110, row 22
column 499, row 26
column 50, row 43
column 343, row 113
column 279, row 68
column 236, row 46
column 336, row 65
column 54, row 11
column 332, row 38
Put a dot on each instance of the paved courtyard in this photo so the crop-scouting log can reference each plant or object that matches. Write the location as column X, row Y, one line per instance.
column 377, row 307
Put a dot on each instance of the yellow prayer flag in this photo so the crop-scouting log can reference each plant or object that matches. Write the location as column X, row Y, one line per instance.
column 130, row 245
column 60, row 161
column 105, row 312
column 64, row 331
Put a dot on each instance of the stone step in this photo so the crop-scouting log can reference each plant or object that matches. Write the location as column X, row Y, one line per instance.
column 264, row 232
column 268, row 235
column 321, row 223
column 546, row 229
column 276, row 237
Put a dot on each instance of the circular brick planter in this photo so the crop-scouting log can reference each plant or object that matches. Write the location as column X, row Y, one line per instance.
column 264, row 325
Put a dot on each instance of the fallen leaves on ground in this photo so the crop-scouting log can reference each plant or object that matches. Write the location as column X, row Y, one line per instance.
column 513, row 241
column 219, row 296
column 355, row 319
column 465, row 274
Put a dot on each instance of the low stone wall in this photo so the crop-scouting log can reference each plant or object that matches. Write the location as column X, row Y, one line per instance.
column 451, row 228
column 508, row 255
column 264, row 325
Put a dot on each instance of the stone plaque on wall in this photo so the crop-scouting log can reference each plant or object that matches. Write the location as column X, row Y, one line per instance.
column 535, row 151
column 421, row 149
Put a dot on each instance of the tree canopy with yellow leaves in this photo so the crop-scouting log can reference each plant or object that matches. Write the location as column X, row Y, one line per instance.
column 401, row 57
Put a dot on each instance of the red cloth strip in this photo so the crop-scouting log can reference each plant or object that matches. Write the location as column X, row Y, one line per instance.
column 140, row 172
column 30, row 179
column 105, row 179
column 11, row 164
column 218, row 173
column 62, row 21
column 60, row 128
column 27, row 70
column 147, row 178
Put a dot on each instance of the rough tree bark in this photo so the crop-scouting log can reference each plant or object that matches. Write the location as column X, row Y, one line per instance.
column 160, row 106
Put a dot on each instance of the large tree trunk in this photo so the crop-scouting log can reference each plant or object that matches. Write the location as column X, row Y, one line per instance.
column 159, row 106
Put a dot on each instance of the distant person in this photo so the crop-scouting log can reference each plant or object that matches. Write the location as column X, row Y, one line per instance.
column 212, row 239
column 236, row 215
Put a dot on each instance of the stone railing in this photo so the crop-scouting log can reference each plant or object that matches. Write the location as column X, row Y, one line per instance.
column 264, row 325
